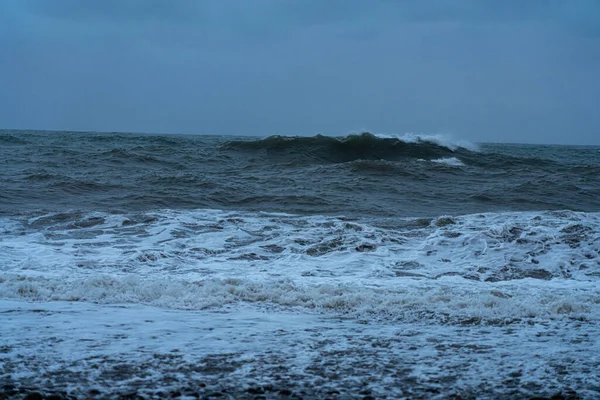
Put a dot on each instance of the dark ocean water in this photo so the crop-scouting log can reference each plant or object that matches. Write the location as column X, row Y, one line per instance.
column 358, row 175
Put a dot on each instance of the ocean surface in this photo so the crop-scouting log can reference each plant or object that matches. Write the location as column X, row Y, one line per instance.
column 284, row 267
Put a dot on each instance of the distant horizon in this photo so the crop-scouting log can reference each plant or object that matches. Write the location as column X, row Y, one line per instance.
column 421, row 134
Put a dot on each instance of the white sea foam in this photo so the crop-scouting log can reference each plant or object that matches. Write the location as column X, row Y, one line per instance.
column 481, row 295
column 450, row 161
column 488, row 266
column 123, row 348
column 444, row 140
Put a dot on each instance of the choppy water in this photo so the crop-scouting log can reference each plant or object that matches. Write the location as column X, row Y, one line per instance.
column 328, row 267
column 359, row 175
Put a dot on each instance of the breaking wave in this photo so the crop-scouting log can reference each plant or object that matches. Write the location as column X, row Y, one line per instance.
column 364, row 146
column 500, row 267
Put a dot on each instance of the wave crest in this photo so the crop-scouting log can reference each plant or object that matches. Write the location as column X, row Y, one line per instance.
column 438, row 139
column 364, row 146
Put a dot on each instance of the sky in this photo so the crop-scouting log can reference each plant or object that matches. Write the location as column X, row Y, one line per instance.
column 479, row 70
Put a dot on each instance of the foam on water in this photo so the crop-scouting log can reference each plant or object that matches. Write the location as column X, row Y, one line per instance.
column 162, row 299
column 492, row 267
column 439, row 139
column 117, row 349
column 450, row 161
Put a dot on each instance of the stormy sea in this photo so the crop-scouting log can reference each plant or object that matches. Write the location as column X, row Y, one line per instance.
column 357, row 267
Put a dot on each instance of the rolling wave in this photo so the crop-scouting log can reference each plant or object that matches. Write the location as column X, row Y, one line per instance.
column 358, row 175
column 364, row 146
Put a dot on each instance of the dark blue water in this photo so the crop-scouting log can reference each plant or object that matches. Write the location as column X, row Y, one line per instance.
column 358, row 175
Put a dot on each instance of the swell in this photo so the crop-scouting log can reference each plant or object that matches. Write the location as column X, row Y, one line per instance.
column 356, row 175
column 10, row 139
column 383, row 153
column 325, row 149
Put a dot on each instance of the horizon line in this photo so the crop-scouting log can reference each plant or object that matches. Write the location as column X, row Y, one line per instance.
column 284, row 135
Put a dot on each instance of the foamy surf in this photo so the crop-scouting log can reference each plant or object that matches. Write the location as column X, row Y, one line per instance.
column 497, row 268
column 204, row 299
column 451, row 161
column 439, row 139
column 88, row 349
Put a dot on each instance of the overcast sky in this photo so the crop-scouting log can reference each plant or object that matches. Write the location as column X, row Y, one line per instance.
column 495, row 70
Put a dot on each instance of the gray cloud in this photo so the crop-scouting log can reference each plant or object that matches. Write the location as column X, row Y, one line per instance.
column 486, row 71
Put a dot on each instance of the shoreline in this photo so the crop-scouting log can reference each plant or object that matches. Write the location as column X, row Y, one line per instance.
column 283, row 390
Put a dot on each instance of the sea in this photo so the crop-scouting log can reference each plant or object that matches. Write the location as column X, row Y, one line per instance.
column 365, row 266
